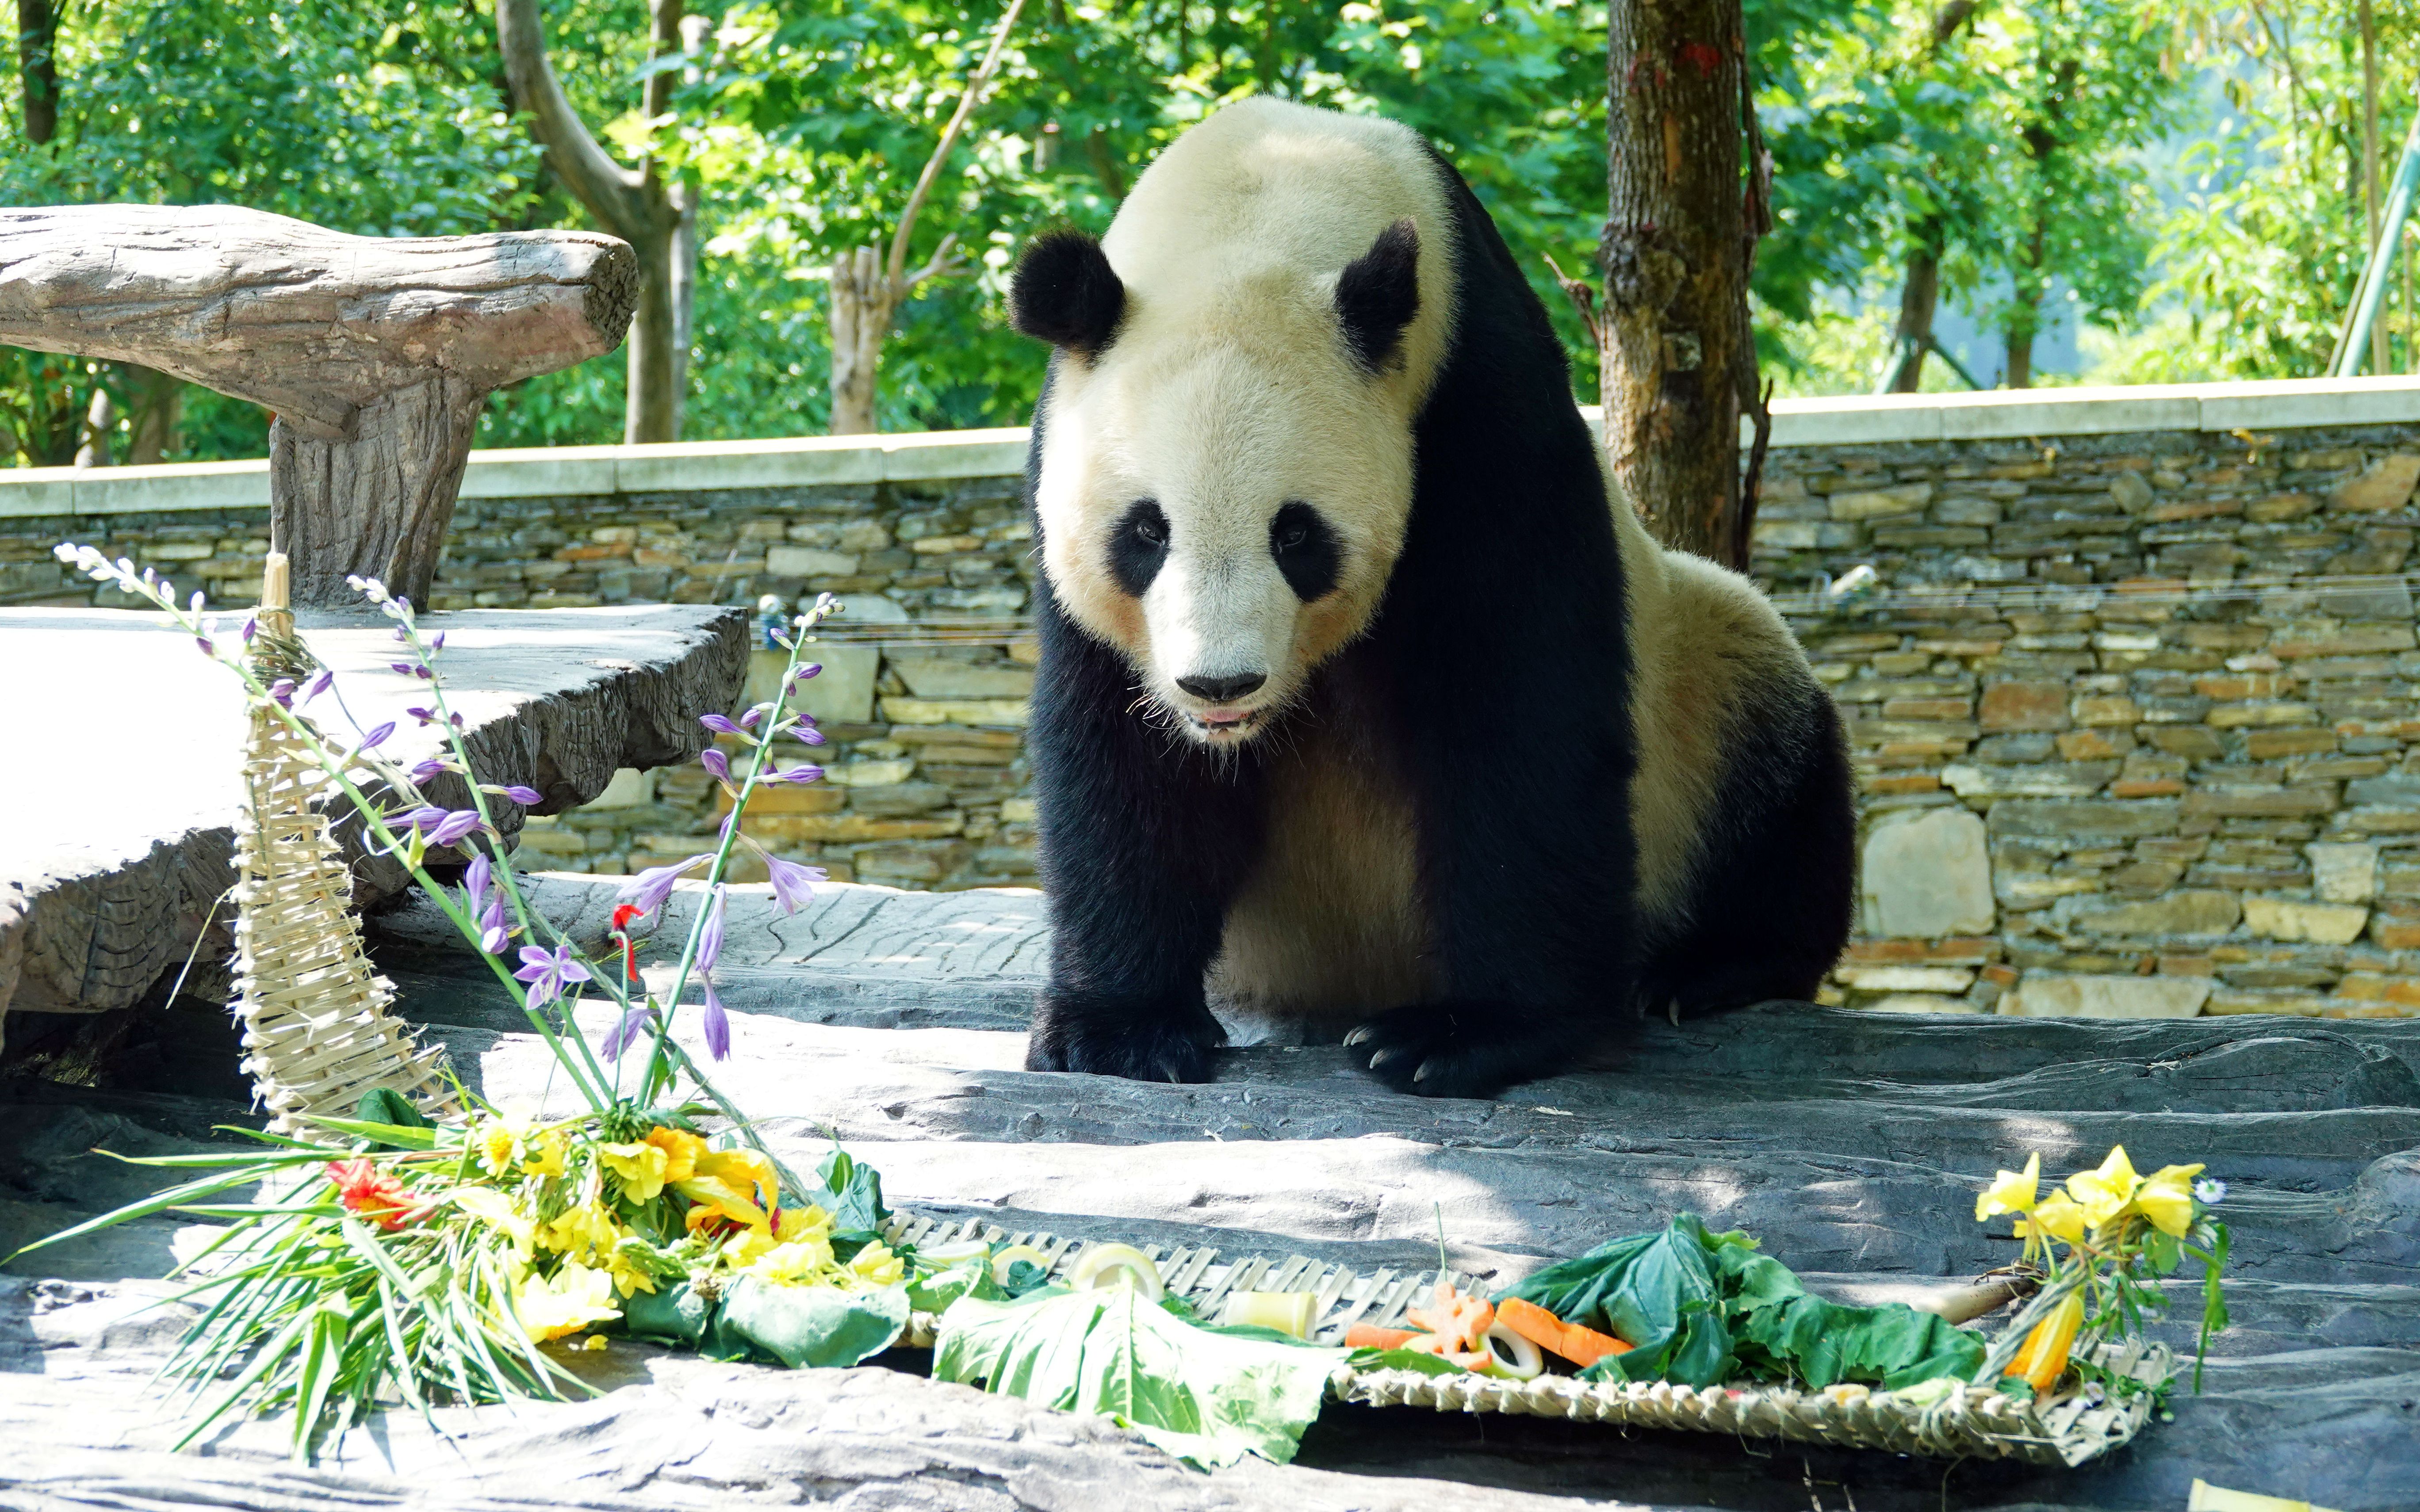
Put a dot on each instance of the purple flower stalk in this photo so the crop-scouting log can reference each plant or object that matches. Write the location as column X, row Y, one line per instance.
column 549, row 972
column 651, row 887
column 791, row 881
column 715, row 762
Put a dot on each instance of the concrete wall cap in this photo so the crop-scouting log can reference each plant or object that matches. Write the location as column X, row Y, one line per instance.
column 936, row 456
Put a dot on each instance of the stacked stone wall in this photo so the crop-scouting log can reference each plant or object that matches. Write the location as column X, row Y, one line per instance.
column 2133, row 716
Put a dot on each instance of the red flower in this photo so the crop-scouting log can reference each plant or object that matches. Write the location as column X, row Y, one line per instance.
column 621, row 917
column 376, row 1196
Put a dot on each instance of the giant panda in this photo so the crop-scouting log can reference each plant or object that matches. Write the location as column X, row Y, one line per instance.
column 1366, row 710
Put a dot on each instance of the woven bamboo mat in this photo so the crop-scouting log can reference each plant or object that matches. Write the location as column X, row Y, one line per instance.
column 1967, row 1422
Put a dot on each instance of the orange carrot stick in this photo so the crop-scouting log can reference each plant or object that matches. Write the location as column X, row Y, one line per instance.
column 1583, row 1347
column 1370, row 1336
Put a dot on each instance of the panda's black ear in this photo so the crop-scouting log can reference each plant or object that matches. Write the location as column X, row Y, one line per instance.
column 1378, row 293
column 1065, row 293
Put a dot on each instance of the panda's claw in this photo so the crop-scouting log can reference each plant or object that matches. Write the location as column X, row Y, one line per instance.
column 1142, row 1042
column 1461, row 1049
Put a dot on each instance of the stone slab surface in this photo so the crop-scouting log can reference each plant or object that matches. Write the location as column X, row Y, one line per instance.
column 123, row 760
column 1852, row 1143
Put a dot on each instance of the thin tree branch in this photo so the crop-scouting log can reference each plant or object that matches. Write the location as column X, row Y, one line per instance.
column 976, row 88
column 611, row 191
column 944, row 262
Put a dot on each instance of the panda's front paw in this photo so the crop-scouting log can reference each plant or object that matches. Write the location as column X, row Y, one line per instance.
column 1458, row 1048
column 1142, row 1041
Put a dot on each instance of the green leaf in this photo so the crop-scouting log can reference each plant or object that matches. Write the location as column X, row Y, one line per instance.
column 384, row 1104
column 1782, row 1331
column 935, row 1291
column 814, row 1325
column 1419, row 1360
column 1205, row 1397
column 1658, row 1291
column 852, row 1193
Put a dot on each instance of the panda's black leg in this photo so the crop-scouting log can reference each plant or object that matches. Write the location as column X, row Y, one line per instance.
column 1144, row 840
column 1463, row 1047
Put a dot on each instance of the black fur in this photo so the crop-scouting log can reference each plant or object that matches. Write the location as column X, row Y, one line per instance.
column 1138, row 547
column 1504, row 618
column 1065, row 293
column 1378, row 293
column 1308, row 553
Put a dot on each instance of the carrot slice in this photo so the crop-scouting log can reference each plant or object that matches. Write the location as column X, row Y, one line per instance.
column 1458, row 1320
column 1583, row 1347
column 1370, row 1336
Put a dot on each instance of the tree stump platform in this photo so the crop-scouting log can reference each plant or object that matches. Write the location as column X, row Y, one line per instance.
column 1852, row 1143
column 123, row 760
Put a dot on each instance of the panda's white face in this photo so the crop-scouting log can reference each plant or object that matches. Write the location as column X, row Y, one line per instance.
column 1226, row 511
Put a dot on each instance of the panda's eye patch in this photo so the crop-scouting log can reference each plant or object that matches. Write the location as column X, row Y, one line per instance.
column 1138, row 546
column 1308, row 554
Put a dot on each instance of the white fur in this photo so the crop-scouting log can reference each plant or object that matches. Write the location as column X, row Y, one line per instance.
column 1230, row 391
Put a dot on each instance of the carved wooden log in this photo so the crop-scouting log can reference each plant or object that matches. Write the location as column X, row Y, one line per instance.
column 374, row 353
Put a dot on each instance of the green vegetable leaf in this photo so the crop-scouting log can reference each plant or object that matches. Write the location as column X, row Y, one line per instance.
column 852, row 1193
column 1206, row 1397
column 1415, row 1360
column 812, row 1325
column 1657, row 1290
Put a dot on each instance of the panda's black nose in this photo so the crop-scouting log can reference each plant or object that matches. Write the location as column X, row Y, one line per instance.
column 1222, row 689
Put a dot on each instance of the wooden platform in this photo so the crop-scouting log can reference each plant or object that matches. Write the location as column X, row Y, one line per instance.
column 1852, row 1143
column 120, row 754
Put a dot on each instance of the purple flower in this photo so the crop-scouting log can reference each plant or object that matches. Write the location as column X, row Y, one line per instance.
column 437, row 644
column 804, row 773
column 282, row 691
column 203, row 641
column 404, row 667
column 493, row 939
column 549, row 972
column 715, row 762
column 458, row 721
column 790, row 882
column 424, row 817
column 807, row 669
column 709, row 938
column 805, row 736
column 626, row 1032
column 453, row 827
column 319, row 684
column 651, row 887
column 400, row 637
column 476, row 879
column 429, row 768
column 526, row 796
column 377, row 736
column 424, row 716
column 716, row 1025
column 747, row 720
column 720, row 724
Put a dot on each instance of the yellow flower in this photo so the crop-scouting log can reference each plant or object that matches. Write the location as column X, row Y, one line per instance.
column 803, row 1262
column 711, row 1197
column 2057, row 1216
column 2103, row 1194
column 2166, row 1198
column 494, row 1208
column 628, row 1276
column 587, row 1229
column 742, row 1168
column 747, row 1245
column 545, row 1157
column 576, row 1298
column 641, row 1167
column 681, row 1150
column 2011, row 1190
column 492, row 1141
column 876, row 1265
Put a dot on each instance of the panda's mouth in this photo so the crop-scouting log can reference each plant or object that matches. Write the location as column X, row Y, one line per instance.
column 1221, row 726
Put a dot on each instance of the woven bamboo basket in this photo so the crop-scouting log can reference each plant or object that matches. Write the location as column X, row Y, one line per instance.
column 2067, row 1428
column 316, row 1031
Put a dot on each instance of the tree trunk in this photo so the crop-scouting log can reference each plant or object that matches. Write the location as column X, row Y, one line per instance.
column 156, row 415
column 2372, row 191
column 860, row 317
column 634, row 204
column 1912, row 341
column 1680, row 360
column 37, row 36
column 100, row 425
column 2020, row 344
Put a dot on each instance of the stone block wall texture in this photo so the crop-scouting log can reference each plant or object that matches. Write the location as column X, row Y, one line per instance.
column 2133, row 716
